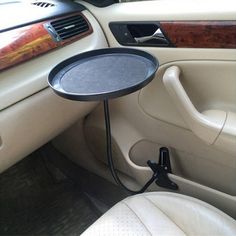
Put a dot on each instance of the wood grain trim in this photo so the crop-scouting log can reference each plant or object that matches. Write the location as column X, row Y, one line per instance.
column 201, row 34
column 22, row 44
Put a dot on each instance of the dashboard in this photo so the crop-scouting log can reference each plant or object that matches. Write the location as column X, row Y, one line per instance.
column 35, row 37
column 48, row 26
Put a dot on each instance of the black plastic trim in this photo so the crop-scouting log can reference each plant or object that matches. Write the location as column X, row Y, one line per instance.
column 101, row 3
column 121, row 32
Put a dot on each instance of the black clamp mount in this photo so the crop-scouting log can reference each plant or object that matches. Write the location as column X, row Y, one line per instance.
column 160, row 171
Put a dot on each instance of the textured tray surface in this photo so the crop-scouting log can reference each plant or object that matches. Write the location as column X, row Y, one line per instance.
column 103, row 74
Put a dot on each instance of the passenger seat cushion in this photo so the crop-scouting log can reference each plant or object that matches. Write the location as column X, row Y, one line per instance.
column 163, row 213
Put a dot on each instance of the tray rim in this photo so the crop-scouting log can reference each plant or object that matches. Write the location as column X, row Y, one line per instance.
column 102, row 96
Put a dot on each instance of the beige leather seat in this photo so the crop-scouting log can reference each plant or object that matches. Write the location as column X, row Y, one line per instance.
column 163, row 213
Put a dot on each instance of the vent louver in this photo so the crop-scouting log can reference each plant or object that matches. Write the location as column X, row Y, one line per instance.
column 70, row 26
column 43, row 4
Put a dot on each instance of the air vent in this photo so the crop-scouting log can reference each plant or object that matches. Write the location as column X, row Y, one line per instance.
column 43, row 4
column 69, row 27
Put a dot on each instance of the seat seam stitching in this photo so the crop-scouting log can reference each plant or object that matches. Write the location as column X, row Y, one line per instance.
column 138, row 218
column 164, row 214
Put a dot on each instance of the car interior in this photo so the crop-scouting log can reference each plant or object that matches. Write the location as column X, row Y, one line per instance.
column 159, row 158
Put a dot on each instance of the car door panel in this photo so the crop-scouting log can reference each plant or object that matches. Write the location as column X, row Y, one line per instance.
column 146, row 120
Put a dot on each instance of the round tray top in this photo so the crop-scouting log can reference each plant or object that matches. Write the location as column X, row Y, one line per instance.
column 103, row 74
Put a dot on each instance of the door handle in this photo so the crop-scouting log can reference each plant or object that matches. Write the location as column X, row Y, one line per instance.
column 206, row 125
column 156, row 35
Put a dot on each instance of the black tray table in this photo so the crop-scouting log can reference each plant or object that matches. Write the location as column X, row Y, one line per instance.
column 103, row 74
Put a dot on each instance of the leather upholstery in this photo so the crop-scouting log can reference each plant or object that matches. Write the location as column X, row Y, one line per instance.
column 162, row 213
